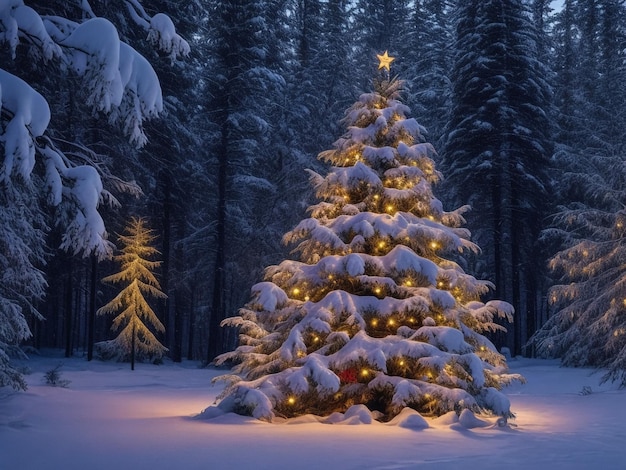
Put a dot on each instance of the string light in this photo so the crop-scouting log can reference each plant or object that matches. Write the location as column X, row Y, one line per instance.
column 434, row 245
column 374, row 322
column 365, row 372
column 377, row 290
column 295, row 291
column 291, row 400
column 391, row 322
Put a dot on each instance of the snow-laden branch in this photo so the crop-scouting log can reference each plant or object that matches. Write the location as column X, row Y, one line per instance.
column 29, row 117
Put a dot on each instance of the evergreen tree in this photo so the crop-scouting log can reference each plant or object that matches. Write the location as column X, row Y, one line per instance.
column 375, row 312
column 588, row 327
column 498, row 140
column 430, row 64
column 135, row 316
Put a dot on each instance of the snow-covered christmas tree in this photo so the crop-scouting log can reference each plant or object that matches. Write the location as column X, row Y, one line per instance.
column 135, row 315
column 376, row 312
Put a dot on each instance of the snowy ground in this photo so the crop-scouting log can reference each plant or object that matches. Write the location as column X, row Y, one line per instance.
column 112, row 418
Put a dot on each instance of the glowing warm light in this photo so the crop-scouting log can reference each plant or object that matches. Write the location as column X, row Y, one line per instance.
column 377, row 290
column 408, row 283
column 291, row 400
column 376, row 196
column 620, row 225
column 295, row 291
column 385, row 61
column 440, row 284
column 482, row 348
column 374, row 322
column 401, row 363
column 434, row 245
column 391, row 322
column 316, row 339
column 389, row 208
column 365, row 372
column 411, row 320
column 307, row 298
column 585, row 253
column 300, row 353
column 330, row 276
column 381, row 244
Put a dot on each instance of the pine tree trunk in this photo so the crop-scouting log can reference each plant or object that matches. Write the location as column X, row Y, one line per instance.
column 217, row 313
column 68, row 308
column 92, row 306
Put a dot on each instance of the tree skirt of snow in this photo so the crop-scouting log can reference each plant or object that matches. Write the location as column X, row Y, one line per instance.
column 112, row 417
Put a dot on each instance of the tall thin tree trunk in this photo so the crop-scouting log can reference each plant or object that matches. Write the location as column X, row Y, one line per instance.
column 217, row 313
column 92, row 306
column 68, row 308
column 215, row 346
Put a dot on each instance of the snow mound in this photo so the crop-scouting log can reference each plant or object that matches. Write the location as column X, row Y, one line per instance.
column 410, row 419
column 468, row 420
column 304, row 419
column 447, row 419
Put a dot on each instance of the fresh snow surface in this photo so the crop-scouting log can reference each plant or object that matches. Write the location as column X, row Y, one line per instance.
column 111, row 417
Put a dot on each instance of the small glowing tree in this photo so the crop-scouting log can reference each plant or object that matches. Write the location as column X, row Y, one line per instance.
column 373, row 313
column 135, row 315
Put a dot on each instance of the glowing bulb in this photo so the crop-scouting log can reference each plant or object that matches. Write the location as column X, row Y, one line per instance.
column 411, row 320
column 433, row 245
column 389, row 208
column 330, row 277
column 291, row 400
column 374, row 322
column 391, row 322
column 307, row 298
column 401, row 363
column 408, row 283
column 295, row 291
column 440, row 284
column 365, row 372
column 377, row 290
column 376, row 196
column 620, row 225
column 316, row 339
column 381, row 244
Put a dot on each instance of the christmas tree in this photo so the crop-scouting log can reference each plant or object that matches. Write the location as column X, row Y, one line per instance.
column 135, row 339
column 375, row 311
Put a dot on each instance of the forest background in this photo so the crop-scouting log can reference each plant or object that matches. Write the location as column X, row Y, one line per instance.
column 524, row 104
